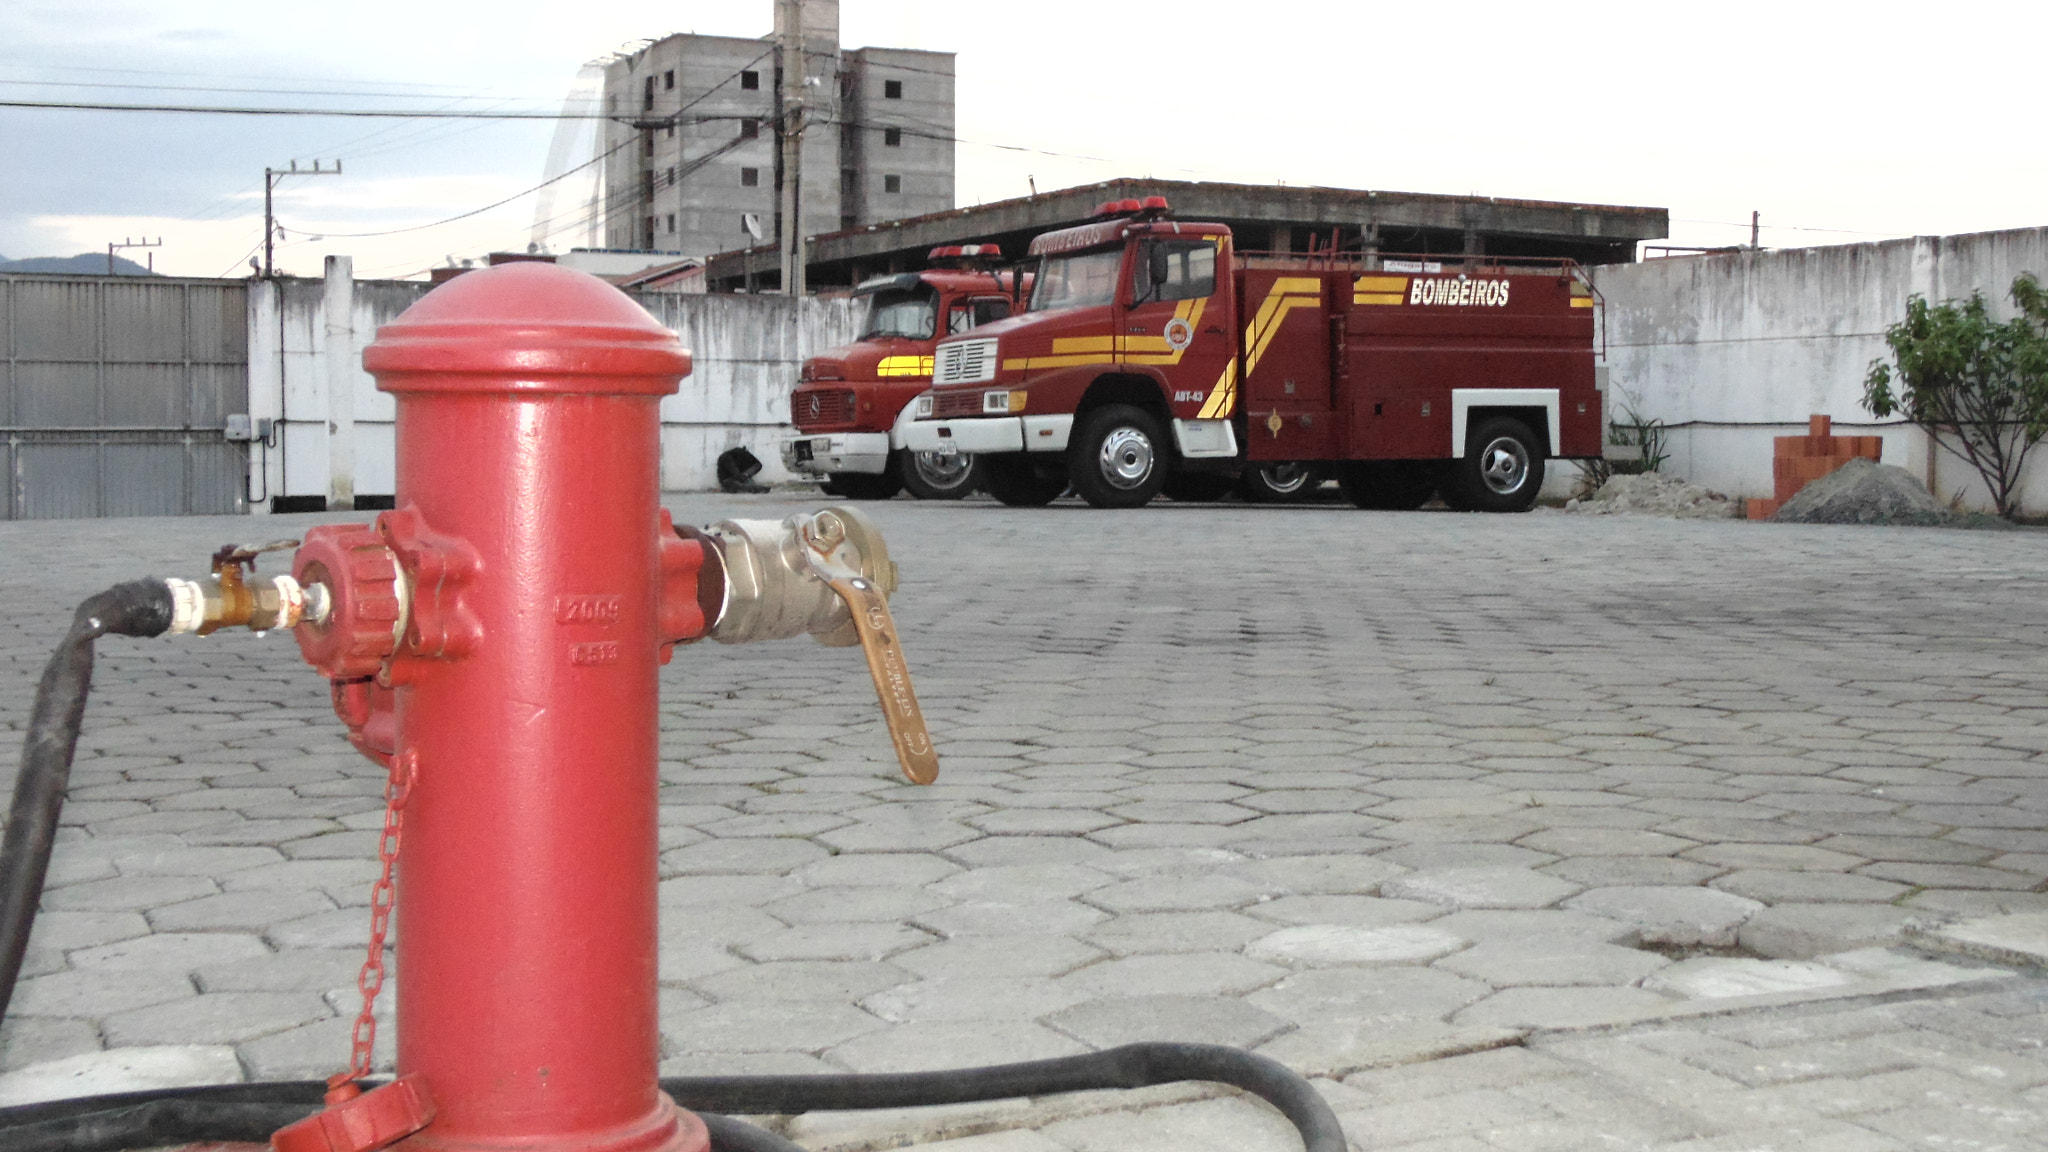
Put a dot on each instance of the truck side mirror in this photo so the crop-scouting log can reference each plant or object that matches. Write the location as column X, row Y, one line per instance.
column 1158, row 265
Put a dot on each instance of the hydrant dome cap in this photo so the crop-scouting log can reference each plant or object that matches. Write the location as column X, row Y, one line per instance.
column 527, row 327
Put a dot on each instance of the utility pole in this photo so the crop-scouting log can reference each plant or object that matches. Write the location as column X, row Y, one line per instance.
column 270, row 178
column 1755, row 228
column 145, row 242
column 790, row 134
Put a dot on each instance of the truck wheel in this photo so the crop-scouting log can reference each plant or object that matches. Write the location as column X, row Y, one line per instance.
column 1277, row 483
column 1390, row 485
column 1118, row 459
column 931, row 476
column 1502, row 473
column 1014, row 479
column 866, row 485
column 1197, row 487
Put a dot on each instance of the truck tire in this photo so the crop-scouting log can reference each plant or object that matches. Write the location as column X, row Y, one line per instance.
column 866, row 485
column 1197, row 487
column 1502, row 472
column 1388, row 485
column 930, row 476
column 1014, row 479
column 1119, row 457
column 1277, row 483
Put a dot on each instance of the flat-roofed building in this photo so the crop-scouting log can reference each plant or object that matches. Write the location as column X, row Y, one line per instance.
column 691, row 148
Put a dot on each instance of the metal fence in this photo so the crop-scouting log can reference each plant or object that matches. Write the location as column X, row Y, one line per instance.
column 114, row 394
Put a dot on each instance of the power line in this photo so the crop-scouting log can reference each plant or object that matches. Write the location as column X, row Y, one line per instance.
column 242, row 91
column 474, row 211
column 378, row 113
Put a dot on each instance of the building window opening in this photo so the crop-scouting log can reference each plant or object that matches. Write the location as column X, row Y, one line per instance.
column 750, row 80
column 668, row 80
column 671, row 131
column 892, row 137
column 892, row 183
column 891, row 89
column 647, row 143
column 671, row 223
column 750, row 177
column 647, row 98
column 650, row 231
column 749, row 129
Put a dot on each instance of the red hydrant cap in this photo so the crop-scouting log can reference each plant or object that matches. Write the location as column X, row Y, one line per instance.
column 527, row 327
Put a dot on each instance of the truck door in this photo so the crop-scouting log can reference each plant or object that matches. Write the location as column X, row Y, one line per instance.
column 1288, row 389
column 1179, row 321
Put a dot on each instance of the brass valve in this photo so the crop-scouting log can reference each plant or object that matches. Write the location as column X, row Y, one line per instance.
column 227, row 599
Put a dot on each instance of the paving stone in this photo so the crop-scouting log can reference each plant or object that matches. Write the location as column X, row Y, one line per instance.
column 998, row 956
column 300, row 970
column 1481, row 888
column 1368, row 996
column 993, row 918
column 1356, row 911
column 1553, row 960
column 1175, row 932
column 769, row 1025
column 26, row 1041
column 972, row 997
column 1439, row 856
column 249, row 911
column 2017, row 939
column 834, row 942
column 1709, row 977
column 1632, row 871
column 1324, row 945
column 1560, row 1007
column 1683, row 917
column 133, row 1069
column 1190, row 974
column 128, row 893
column 1782, row 887
column 846, row 905
column 1798, row 931
column 805, row 980
column 1224, row 1125
column 1023, row 882
column 167, row 952
column 1505, row 925
column 216, row 1018
column 1183, row 1019
column 63, row 931
column 1318, row 875
column 1177, row 893
column 932, row 1045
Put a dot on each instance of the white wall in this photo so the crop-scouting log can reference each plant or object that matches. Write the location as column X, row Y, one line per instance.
column 746, row 351
column 1735, row 349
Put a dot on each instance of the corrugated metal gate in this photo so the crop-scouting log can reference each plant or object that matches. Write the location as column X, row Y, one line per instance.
column 114, row 393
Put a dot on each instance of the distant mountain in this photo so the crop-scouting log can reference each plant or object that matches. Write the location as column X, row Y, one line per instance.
column 83, row 264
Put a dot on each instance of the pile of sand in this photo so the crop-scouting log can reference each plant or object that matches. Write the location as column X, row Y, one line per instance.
column 1655, row 494
column 1866, row 492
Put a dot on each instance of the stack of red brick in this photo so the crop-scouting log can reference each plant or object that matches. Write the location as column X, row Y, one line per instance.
column 1800, row 460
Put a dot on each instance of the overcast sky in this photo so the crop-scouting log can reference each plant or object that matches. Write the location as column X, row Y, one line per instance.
column 1838, row 122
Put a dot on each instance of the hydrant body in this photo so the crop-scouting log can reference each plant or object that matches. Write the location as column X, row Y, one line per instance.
column 532, row 556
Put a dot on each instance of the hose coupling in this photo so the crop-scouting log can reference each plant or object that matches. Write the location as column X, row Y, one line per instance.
column 229, row 598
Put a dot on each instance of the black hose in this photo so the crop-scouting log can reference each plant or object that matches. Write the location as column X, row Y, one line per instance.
column 138, row 1119
column 1130, row 1066
column 137, row 608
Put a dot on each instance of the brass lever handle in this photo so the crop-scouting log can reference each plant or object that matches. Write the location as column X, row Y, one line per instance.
column 878, row 642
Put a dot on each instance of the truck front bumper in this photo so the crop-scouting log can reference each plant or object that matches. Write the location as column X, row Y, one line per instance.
column 836, row 452
column 989, row 434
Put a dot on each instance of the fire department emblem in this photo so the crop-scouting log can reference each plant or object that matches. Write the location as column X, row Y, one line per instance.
column 1179, row 333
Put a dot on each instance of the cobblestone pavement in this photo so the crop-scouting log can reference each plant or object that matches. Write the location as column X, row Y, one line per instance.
column 1354, row 789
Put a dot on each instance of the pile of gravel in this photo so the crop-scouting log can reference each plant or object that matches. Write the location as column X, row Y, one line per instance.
column 1866, row 492
column 1655, row 494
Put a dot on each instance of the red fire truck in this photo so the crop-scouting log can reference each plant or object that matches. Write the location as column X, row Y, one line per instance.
column 850, row 404
column 1156, row 357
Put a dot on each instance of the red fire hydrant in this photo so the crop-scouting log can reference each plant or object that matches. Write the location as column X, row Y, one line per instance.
column 495, row 641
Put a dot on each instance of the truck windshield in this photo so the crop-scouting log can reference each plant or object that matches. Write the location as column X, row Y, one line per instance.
column 1076, row 281
column 911, row 313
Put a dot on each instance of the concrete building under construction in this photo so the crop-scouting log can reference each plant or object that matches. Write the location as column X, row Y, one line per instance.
column 693, row 147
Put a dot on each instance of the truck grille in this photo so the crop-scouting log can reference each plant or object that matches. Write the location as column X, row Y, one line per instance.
column 965, row 362
column 817, row 409
column 948, row 404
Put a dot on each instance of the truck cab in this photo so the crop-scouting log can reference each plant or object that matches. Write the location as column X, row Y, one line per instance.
column 1156, row 357
column 850, row 403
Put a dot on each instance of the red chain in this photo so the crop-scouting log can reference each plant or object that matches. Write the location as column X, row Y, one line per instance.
column 383, row 895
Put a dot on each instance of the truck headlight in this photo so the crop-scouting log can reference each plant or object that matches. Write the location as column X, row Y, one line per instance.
column 1003, row 403
column 924, row 408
